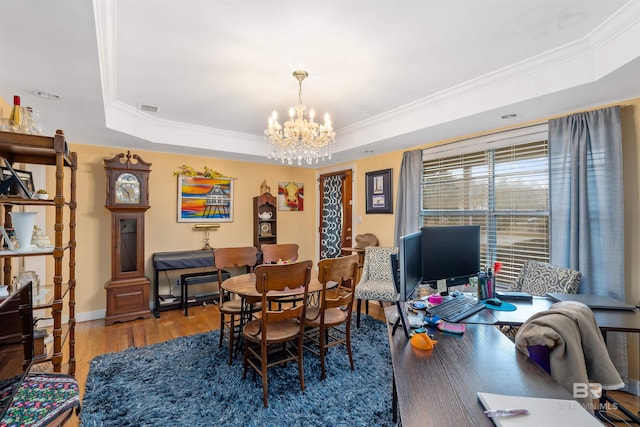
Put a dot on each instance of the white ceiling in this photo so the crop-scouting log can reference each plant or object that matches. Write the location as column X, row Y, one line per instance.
column 392, row 74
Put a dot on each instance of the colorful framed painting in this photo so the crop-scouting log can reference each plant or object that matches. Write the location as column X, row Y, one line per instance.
column 202, row 199
column 379, row 192
column 290, row 196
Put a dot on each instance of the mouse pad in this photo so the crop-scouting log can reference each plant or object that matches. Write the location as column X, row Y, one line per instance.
column 505, row 306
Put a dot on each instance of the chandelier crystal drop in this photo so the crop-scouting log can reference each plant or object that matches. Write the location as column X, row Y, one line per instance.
column 301, row 138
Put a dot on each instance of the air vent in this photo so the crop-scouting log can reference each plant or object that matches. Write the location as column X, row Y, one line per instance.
column 147, row 108
column 47, row 95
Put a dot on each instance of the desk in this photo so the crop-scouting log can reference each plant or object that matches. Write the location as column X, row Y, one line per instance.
column 438, row 388
column 609, row 320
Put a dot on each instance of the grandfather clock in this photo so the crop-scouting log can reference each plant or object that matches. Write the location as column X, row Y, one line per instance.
column 128, row 200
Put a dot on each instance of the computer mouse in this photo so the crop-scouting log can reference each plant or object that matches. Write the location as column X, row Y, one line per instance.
column 494, row 301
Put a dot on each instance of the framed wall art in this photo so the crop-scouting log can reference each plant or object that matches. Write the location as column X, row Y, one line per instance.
column 16, row 182
column 7, row 235
column 379, row 192
column 204, row 199
column 290, row 196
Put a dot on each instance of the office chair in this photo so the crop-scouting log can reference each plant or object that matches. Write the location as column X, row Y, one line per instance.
column 577, row 352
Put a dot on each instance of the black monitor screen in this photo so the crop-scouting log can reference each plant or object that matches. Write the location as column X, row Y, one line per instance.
column 410, row 264
column 450, row 253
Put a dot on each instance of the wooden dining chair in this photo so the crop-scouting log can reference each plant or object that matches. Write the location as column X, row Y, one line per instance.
column 279, row 252
column 283, row 253
column 281, row 328
column 329, row 323
column 242, row 260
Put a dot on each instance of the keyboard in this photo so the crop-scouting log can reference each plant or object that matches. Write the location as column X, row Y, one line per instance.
column 456, row 308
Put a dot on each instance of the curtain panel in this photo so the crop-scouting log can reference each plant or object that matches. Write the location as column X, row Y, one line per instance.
column 587, row 212
column 408, row 195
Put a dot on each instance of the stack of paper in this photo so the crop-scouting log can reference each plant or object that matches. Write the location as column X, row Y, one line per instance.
column 542, row 411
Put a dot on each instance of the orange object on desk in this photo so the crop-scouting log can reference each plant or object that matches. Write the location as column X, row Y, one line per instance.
column 423, row 342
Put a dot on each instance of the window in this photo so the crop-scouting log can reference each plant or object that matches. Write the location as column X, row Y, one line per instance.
column 503, row 188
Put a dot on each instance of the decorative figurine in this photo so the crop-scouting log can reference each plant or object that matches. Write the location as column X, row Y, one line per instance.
column 40, row 239
column 264, row 188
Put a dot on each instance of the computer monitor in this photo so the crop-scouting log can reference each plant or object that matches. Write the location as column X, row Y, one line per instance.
column 450, row 253
column 410, row 264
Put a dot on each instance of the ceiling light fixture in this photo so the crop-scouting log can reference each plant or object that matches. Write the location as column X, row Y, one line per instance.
column 300, row 138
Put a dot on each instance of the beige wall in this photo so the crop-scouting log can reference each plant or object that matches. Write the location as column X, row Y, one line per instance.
column 164, row 233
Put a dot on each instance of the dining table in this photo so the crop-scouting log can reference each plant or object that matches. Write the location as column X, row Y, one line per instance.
column 244, row 286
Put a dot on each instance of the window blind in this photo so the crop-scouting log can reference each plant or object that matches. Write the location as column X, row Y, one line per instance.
column 502, row 188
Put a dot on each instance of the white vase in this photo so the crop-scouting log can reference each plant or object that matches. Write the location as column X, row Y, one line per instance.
column 23, row 223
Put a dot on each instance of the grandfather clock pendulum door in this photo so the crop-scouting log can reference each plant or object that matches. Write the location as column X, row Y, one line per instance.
column 128, row 200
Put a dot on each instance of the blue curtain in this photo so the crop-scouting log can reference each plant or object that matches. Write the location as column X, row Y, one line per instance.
column 408, row 194
column 587, row 211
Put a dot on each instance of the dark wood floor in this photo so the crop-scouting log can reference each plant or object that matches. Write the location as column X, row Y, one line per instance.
column 94, row 339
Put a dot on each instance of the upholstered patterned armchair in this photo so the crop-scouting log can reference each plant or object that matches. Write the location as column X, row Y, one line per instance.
column 538, row 278
column 376, row 281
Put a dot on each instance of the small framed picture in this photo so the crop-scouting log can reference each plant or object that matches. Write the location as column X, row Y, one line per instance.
column 7, row 234
column 379, row 192
column 17, row 182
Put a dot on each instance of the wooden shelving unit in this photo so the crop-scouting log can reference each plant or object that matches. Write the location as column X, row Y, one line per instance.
column 49, row 151
column 265, row 230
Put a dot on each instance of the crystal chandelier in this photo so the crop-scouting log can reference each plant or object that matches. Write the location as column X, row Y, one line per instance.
column 300, row 138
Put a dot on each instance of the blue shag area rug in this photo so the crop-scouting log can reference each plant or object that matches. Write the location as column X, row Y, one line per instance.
column 187, row 382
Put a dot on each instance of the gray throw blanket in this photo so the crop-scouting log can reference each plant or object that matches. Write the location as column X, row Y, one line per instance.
column 578, row 352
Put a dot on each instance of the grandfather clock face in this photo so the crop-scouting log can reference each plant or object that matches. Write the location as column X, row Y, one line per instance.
column 127, row 188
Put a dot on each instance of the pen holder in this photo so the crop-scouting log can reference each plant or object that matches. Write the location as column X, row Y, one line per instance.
column 483, row 290
column 491, row 288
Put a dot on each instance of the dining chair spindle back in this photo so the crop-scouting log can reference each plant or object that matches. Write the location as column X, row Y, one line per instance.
column 243, row 259
column 329, row 323
column 283, row 328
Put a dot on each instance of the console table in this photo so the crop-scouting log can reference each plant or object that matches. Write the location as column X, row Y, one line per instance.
column 163, row 261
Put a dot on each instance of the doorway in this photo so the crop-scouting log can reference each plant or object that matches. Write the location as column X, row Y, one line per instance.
column 335, row 212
